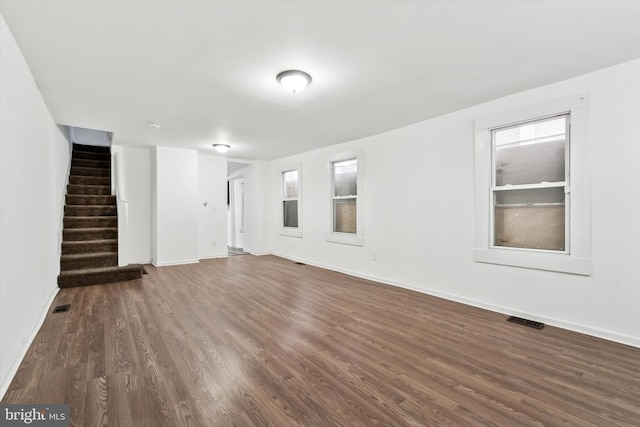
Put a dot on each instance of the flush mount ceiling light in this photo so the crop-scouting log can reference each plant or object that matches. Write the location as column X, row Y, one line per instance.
column 221, row 148
column 293, row 80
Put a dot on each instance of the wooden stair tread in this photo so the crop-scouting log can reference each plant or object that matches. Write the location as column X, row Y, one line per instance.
column 93, row 242
column 89, row 255
column 130, row 267
column 90, row 229
column 89, row 217
column 91, row 177
column 85, row 206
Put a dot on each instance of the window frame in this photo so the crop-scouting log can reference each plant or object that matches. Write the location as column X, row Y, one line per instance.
column 566, row 183
column 290, row 231
column 357, row 238
column 576, row 259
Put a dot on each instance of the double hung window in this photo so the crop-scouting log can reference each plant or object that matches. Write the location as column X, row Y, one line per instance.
column 346, row 199
column 530, row 191
column 290, row 199
column 532, row 194
column 290, row 183
column 345, row 196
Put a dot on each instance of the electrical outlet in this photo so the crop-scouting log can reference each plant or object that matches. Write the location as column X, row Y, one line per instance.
column 374, row 256
column 213, row 242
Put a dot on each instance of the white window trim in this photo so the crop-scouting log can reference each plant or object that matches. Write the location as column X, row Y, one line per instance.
column 578, row 260
column 290, row 231
column 356, row 239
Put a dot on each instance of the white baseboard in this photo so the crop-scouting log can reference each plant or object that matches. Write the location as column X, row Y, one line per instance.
column 563, row 324
column 15, row 364
column 147, row 261
column 167, row 264
column 214, row 256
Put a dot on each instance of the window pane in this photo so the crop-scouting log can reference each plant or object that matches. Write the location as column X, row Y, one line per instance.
column 531, row 153
column 531, row 227
column 290, row 180
column 290, row 213
column 536, row 195
column 530, row 219
column 344, row 216
column 345, row 178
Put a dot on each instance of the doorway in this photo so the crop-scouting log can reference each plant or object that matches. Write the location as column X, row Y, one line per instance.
column 236, row 216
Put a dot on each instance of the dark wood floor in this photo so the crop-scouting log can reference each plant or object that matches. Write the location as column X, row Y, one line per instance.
column 261, row 341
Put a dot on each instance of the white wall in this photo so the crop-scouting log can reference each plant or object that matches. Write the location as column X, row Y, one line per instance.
column 166, row 189
column 136, row 170
column 419, row 219
column 212, row 209
column 34, row 162
column 175, row 205
column 90, row 137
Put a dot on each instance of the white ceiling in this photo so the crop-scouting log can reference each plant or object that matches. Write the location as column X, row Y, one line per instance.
column 205, row 70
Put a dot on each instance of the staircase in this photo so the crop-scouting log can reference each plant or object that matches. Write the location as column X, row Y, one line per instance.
column 90, row 233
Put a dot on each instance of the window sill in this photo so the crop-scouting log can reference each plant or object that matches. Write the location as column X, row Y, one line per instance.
column 535, row 260
column 345, row 239
column 291, row 232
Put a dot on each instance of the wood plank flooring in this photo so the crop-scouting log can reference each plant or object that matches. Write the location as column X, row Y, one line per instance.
column 261, row 341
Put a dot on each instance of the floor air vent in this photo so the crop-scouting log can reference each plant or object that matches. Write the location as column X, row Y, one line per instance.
column 61, row 308
column 525, row 322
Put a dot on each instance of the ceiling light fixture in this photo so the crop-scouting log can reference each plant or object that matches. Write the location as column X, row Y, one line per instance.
column 293, row 80
column 221, row 148
column 154, row 125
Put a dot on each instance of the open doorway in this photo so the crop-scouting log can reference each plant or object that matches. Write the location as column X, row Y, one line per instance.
column 236, row 216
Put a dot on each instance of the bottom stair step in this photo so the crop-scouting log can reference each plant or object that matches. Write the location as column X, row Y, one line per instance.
column 97, row 276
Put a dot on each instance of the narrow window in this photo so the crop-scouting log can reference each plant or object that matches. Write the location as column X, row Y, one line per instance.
column 290, row 195
column 345, row 196
column 530, row 184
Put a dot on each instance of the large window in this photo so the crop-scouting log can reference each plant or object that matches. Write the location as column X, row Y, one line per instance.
column 346, row 199
column 291, row 206
column 530, row 191
column 532, row 195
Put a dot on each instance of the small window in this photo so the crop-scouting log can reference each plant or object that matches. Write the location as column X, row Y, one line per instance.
column 345, row 196
column 290, row 198
column 530, row 191
column 346, row 216
column 290, row 223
